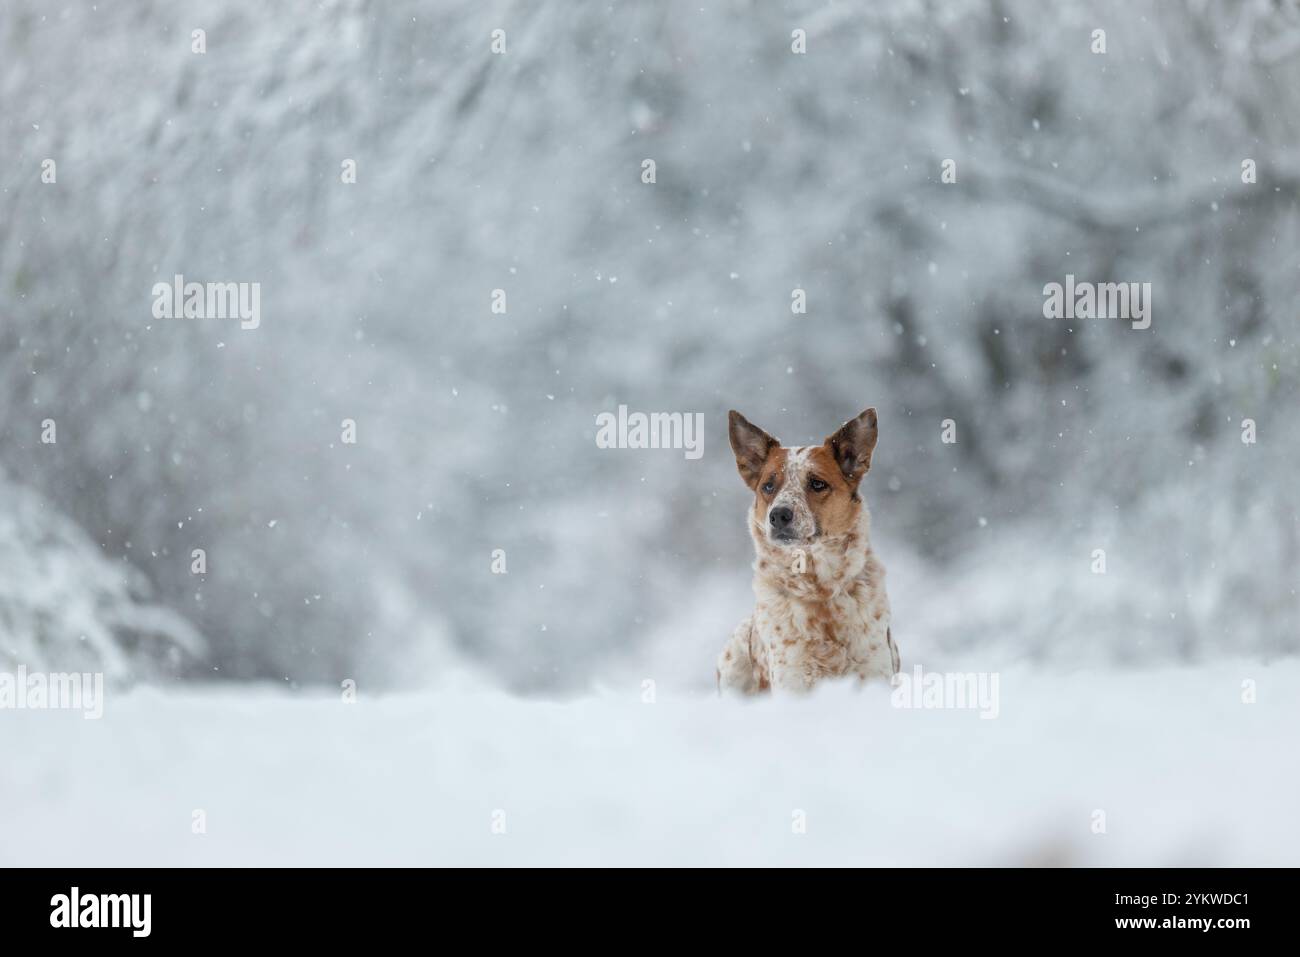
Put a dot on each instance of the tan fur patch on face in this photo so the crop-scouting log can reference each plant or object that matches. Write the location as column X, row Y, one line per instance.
column 837, row 508
column 772, row 475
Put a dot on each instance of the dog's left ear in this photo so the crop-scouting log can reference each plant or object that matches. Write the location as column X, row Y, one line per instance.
column 852, row 446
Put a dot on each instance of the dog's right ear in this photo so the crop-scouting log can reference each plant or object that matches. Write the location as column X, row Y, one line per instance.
column 751, row 445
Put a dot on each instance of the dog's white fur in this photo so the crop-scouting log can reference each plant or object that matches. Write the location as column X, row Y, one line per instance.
column 821, row 607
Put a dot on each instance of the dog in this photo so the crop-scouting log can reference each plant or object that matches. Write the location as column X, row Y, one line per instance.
column 821, row 610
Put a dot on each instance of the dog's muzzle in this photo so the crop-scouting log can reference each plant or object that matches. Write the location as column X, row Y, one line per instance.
column 782, row 526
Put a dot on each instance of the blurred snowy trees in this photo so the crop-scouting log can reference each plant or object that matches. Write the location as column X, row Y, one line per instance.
column 65, row 607
column 775, row 171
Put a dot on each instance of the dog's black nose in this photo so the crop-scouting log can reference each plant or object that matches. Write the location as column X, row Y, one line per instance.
column 780, row 517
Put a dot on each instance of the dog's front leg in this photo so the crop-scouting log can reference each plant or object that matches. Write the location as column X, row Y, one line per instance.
column 791, row 678
column 737, row 670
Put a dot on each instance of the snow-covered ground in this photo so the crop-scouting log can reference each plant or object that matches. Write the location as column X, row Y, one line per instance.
column 1183, row 770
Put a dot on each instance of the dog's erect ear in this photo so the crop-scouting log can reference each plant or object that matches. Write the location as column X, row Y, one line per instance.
column 751, row 445
column 852, row 446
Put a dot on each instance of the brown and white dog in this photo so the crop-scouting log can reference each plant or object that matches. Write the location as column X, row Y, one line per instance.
column 822, row 611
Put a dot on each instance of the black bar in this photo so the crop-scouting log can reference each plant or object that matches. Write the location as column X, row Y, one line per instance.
column 366, row 907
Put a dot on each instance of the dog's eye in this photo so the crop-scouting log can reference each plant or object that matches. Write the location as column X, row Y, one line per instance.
column 817, row 485
column 769, row 487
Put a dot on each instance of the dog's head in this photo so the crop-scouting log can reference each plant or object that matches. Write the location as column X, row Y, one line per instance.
column 806, row 493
